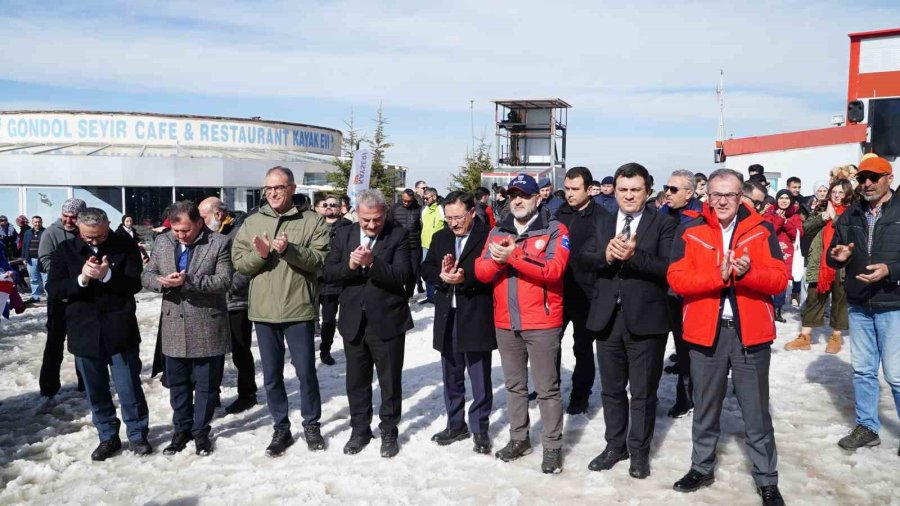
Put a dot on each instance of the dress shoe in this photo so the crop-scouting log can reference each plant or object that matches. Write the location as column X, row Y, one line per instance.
column 314, row 439
column 640, row 466
column 356, row 443
column 49, row 388
column 450, row 436
column 389, row 446
column 326, row 358
column 426, row 301
column 281, row 441
column 770, row 495
column 140, row 447
column 482, row 443
column 106, row 449
column 552, row 461
column 607, row 459
column 420, row 288
column 514, row 450
column 241, row 404
column 578, row 404
column 179, row 441
column 694, row 480
column 203, row 445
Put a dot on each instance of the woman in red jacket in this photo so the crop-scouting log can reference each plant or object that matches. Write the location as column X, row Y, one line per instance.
column 785, row 218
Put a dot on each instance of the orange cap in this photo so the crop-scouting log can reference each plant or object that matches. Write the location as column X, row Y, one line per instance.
column 875, row 164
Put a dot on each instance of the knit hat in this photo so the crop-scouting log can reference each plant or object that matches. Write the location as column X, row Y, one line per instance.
column 73, row 206
column 608, row 180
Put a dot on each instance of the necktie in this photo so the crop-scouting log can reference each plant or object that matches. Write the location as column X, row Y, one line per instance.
column 626, row 230
column 459, row 246
column 183, row 258
column 371, row 241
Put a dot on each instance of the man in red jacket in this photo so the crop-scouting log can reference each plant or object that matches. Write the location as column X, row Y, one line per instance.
column 727, row 265
column 524, row 258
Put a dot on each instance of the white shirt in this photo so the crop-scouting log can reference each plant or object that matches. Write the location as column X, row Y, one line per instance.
column 520, row 229
column 364, row 239
column 727, row 232
column 105, row 278
column 635, row 219
column 462, row 247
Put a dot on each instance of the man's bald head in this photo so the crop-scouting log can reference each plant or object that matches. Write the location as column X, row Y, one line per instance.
column 213, row 211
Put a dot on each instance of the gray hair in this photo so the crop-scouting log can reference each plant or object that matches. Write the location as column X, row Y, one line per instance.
column 371, row 198
column 284, row 170
column 217, row 205
column 725, row 173
column 92, row 216
column 688, row 176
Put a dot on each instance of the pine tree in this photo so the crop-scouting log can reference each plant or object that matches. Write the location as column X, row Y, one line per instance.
column 469, row 176
column 383, row 177
column 344, row 161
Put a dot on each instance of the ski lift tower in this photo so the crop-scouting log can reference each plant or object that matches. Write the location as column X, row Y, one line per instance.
column 531, row 139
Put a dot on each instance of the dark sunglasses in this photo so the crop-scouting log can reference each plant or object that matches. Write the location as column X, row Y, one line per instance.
column 868, row 176
column 330, row 205
column 672, row 189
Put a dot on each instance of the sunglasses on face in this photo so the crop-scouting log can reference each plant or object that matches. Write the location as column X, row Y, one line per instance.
column 330, row 205
column 672, row 189
column 868, row 176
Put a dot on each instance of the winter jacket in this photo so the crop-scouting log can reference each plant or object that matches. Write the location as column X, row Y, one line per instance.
column 691, row 211
column 851, row 227
column 786, row 229
column 432, row 221
column 240, row 283
column 578, row 284
column 284, row 288
column 10, row 239
column 326, row 288
column 52, row 238
column 812, row 227
column 697, row 254
column 608, row 202
column 27, row 237
column 410, row 218
column 528, row 288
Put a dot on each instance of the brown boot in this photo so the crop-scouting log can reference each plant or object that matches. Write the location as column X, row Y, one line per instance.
column 834, row 343
column 801, row 343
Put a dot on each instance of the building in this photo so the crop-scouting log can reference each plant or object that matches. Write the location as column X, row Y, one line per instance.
column 138, row 163
column 872, row 123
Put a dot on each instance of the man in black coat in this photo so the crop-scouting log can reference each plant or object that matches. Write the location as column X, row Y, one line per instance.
column 371, row 261
column 97, row 274
column 578, row 215
column 329, row 293
column 464, row 329
column 630, row 255
column 408, row 214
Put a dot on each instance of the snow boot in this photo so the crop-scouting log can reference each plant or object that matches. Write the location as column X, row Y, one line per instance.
column 834, row 343
column 801, row 343
column 778, row 317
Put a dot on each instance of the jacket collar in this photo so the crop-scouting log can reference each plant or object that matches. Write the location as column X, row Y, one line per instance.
column 537, row 227
column 747, row 218
column 587, row 211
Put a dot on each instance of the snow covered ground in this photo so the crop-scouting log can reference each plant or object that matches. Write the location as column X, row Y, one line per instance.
column 45, row 445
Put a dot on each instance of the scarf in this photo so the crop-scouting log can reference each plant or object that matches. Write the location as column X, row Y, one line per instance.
column 826, row 273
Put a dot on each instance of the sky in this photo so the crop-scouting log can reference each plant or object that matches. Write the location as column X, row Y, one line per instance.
column 640, row 76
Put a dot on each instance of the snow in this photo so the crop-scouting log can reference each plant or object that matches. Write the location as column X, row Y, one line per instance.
column 45, row 445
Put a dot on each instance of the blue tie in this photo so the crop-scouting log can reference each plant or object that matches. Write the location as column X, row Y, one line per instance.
column 183, row 258
column 459, row 245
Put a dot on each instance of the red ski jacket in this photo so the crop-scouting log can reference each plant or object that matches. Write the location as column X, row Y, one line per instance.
column 697, row 255
column 528, row 288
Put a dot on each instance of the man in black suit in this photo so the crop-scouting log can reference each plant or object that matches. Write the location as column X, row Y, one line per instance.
column 97, row 274
column 371, row 260
column 463, row 320
column 630, row 256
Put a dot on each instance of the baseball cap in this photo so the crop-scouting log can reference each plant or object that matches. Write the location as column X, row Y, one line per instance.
column 875, row 164
column 544, row 182
column 523, row 183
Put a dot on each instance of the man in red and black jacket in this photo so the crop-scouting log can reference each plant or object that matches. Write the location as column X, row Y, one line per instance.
column 524, row 257
column 726, row 265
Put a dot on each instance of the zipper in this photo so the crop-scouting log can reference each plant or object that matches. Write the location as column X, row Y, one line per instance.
column 702, row 242
column 546, row 302
column 745, row 241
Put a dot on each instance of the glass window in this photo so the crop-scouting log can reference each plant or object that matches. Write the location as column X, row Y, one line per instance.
column 108, row 198
column 242, row 199
column 147, row 203
column 45, row 202
column 197, row 194
column 9, row 203
column 315, row 178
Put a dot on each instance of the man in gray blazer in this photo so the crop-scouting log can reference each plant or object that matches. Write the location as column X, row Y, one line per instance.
column 191, row 266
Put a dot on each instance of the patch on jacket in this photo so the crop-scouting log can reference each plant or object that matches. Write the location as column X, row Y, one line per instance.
column 565, row 242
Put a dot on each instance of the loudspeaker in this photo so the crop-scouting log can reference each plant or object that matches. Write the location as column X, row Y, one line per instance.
column 856, row 111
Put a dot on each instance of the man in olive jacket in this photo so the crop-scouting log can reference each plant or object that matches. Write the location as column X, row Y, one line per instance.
column 191, row 266
column 282, row 248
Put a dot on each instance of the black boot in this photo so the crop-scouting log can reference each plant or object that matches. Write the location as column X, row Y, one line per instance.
column 778, row 317
column 684, row 404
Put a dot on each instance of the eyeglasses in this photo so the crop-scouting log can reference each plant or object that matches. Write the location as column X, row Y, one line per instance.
column 672, row 189
column 276, row 189
column 454, row 219
column 868, row 176
column 716, row 196
column 324, row 204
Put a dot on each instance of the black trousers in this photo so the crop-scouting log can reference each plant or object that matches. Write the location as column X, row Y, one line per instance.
column 628, row 360
column 54, row 348
column 583, row 347
column 241, row 354
column 329, row 320
column 454, row 365
column 194, row 391
column 364, row 353
column 415, row 261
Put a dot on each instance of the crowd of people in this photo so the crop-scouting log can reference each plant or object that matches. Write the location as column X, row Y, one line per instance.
column 712, row 262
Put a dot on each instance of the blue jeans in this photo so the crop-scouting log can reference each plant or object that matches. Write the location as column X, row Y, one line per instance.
column 126, row 370
column 270, row 337
column 429, row 288
column 38, row 279
column 875, row 339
